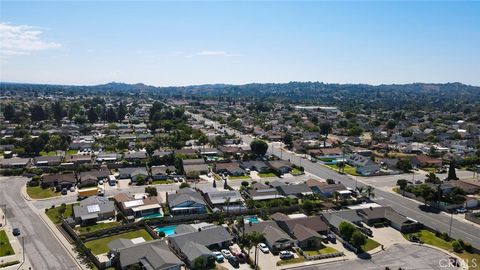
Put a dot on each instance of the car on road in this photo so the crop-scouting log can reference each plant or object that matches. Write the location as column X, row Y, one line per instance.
column 226, row 253
column 16, row 231
column 233, row 261
column 263, row 248
column 218, row 256
column 285, row 254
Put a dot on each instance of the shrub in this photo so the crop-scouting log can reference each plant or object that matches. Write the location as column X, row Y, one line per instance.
column 457, row 246
column 468, row 247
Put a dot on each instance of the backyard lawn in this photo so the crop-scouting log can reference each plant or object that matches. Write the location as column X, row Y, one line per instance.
column 51, row 153
column 99, row 246
column 371, row 244
column 98, row 226
column 265, row 175
column 54, row 213
column 72, row 152
column 348, row 169
column 430, row 238
column 41, row 193
column 5, row 247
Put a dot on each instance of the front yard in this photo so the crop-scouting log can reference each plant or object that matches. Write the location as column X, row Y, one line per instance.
column 41, row 193
column 324, row 250
column 100, row 246
column 296, row 171
column 266, row 175
column 240, row 177
column 348, row 169
column 430, row 238
column 161, row 182
column 371, row 244
column 97, row 227
column 54, row 213
column 5, row 247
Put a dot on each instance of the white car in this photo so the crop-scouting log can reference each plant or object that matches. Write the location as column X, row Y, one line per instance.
column 286, row 255
column 226, row 253
column 263, row 248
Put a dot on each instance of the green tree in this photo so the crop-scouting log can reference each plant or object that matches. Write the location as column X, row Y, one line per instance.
column 259, row 147
column 140, row 180
column 358, row 239
column 92, row 115
column 405, row 165
column 58, row 111
column 184, row 185
column 121, row 111
column 254, row 238
column 9, row 112
column 402, row 183
column 325, row 129
column 452, row 175
column 346, row 230
column 151, row 191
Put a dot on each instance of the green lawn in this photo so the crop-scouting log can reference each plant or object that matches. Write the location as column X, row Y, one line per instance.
column 290, row 261
column 99, row 246
column 240, row 177
column 348, row 169
column 158, row 182
column 265, row 175
column 5, row 247
column 54, row 214
column 296, row 171
column 430, row 238
column 72, row 152
column 97, row 227
column 371, row 244
column 51, row 153
column 41, row 193
column 324, row 250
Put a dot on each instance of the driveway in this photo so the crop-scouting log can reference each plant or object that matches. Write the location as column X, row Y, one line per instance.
column 388, row 236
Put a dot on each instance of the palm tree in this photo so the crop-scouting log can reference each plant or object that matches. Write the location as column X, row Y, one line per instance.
column 241, row 226
column 254, row 238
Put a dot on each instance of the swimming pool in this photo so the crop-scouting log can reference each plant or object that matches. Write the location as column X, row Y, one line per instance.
column 155, row 215
column 252, row 219
column 168, row 230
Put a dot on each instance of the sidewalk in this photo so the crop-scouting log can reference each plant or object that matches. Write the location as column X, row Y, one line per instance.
column 16, row 243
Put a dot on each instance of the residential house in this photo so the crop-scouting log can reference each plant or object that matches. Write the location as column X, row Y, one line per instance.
column 155, row 255
column 423, row 160
column 91, row 178
column 133, row 173
column 275, row 238
column 306, row 230
column 195, row 166
column 48, row 161
column 294, row 190
column 280, row 166
column 186, row 201
column 364, row 165
column 59, row 181
column 229, row 168
column 261, row 192
column 78, row 159
column 161, row 172
column 137, row 205
column 382, row 214
column 94, row 209
column 199, row 243
column 325, row 189
column 14, row 163
column 228, row 200
column 258, row 166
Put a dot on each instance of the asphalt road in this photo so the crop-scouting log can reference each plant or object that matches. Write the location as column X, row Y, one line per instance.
column 404, row 256
column 412, row 209
column 42, row 248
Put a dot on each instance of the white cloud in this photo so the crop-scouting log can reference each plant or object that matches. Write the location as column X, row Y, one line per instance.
column 217, row 53
column 22, row 40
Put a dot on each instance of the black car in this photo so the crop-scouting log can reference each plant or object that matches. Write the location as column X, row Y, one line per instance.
column 234, row 261
column 16, row 231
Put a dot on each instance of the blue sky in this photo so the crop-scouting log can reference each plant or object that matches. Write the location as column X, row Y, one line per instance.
column 183, row 43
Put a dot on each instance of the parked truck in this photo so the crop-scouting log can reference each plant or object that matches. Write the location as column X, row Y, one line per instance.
column 87, row 192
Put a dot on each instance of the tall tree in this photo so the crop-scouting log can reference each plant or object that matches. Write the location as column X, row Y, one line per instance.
column 452, row 175
column 37, row 113
column 259, row 147
column 121, row 111
column 9, row 112
column 58, row 111
column 92, row 115
column 325, row 129
column 111, row 115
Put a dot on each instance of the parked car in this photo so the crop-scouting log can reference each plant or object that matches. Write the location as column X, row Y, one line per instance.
column 242, row 258
column 218, row 256
column 263, row 248
column 234, row 261
column 461, row 211
column 285, row 254
column 331, row 237
column 16, row 231
column 226, row 253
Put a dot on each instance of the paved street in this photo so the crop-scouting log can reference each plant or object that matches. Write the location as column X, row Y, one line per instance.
column 406, row 256
column 409, row 208
column 42, row 248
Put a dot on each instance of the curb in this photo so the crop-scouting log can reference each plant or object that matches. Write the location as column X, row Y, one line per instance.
column 313, row 264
